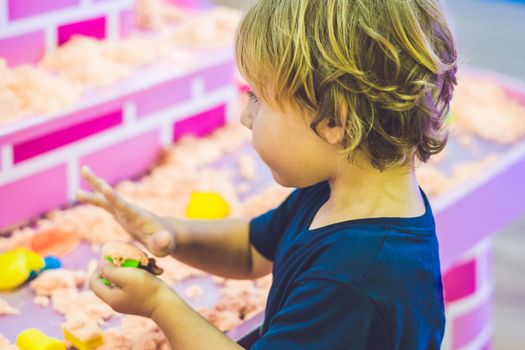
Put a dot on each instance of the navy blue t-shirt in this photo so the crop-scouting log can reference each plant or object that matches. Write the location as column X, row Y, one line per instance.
column 359, row 284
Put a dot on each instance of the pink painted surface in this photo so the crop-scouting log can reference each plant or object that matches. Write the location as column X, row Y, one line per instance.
column 218, row 76
column 485, row 217
column 59, row 138
column 193, row 4
column 460, row 281
column 32, row 195
column 487, row 346
column 23, row 8
column 127, row 23
column 95, row 28
column 25, row 48
column 63, row 121
column 163, row 96
column 482, row 220
column 467, row 327
column 200, row 124
column 126, row 159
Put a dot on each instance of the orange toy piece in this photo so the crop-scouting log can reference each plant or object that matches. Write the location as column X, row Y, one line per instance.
column 207, row 205
column 55, row 242
column 33, row 339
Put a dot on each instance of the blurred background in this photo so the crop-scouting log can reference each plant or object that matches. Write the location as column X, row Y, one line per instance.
column 118, row 85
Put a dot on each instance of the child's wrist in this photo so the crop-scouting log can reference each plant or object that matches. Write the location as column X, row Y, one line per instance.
column 167, row 303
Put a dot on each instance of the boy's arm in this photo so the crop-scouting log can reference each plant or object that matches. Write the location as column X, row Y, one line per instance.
column 219, row 247
column 186, row 329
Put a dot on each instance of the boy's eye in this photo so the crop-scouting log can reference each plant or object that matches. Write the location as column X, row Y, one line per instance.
column 253, row 97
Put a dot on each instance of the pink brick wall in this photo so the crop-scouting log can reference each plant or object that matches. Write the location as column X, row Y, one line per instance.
column 468, row 295
column 218, row 76
column 127, row 23
column 59, row 138
column 112, row 162
column 200, row 124
column 163, row 96
column 32, row 195
column 25, row 48
column 124, row 160
column 66, row 18
column 468, row 326
column 65, row 121
column 193, row 4
column 23, row 8
column 95, row 27
column 460, row 281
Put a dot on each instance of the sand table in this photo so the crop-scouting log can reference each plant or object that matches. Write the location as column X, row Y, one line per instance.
column 28, row 90
column 482, row 107
column 6, row 309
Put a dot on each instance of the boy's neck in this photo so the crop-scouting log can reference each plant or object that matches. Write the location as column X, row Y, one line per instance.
column 358, row 192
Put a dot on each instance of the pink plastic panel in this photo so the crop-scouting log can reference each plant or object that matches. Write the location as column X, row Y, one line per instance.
column 26, row 48
column 467, row 327
column 193, row 4
column 34, row 147
column 127, row 23
column 95, row 28
column 200, row 124
column 64, row 121
column 23, row 8
column 218, row 76
column 33, row 195
column 460, row 281
column 126, row 159
column 163, row 96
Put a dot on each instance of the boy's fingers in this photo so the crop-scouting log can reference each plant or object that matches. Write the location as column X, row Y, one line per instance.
column 95, row 182
column 107, row 293
column 162, row 243
column 105, row 189
column 93, row 198
column 119, row 276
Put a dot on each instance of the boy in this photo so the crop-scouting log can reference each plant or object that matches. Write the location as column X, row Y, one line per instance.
column 346, row 96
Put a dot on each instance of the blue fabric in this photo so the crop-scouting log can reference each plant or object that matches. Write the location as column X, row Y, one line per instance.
column 358, row 284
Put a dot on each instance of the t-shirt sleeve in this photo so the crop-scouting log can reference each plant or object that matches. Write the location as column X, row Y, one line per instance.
column 326, row 314
column 267, row 229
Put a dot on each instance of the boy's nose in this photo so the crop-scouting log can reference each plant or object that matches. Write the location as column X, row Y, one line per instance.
column 247, row 118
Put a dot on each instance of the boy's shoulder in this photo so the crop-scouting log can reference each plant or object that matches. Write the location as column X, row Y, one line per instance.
column 373, row 255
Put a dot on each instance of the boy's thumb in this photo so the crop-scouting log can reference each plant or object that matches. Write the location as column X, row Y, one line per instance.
column 162, row 243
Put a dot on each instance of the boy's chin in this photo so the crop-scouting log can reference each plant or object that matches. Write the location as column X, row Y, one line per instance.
column 282, row 180
column 291, row 182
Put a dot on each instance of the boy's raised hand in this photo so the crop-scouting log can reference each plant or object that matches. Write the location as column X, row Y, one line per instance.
column 141, row 224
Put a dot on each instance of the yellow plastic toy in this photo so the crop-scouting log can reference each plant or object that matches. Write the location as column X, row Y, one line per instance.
column 33, row 339
column 84, row 344
column 16, row 266
column 207, row 205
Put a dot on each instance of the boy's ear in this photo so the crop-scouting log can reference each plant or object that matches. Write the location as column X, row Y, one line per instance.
column 333, row 134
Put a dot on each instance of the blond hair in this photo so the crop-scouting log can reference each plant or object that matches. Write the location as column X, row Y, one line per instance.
column 384, row 70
